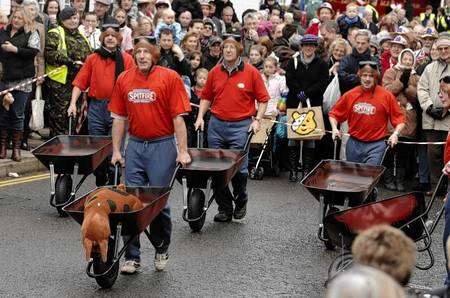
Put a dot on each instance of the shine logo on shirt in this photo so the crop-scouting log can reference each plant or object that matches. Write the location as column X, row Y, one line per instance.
column 141, row 96
column 364, row 109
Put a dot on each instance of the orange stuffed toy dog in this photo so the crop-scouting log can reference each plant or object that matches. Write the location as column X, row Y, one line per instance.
column 97, row 207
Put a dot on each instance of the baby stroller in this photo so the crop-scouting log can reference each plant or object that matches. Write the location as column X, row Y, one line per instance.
column 264, row 161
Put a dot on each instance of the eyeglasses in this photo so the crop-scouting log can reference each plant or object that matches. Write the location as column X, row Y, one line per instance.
column 149, row 39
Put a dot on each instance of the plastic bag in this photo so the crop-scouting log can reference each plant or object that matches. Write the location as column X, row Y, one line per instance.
column 331, row 95
column 37, row 111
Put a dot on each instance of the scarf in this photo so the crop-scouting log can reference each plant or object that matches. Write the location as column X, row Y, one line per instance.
column 399, row 65
column 115, row 56
column 306, row 61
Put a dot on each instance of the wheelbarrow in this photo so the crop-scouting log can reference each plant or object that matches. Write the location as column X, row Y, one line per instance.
column 340, row 183
column 67, row 157
column 210, row 169
column 133, row 223
column 407, row 212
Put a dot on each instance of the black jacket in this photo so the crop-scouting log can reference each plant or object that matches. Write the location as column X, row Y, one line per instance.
column 209, row 61
column 168, row 59
column 348, row 68
column 20, row 65
column 311, row 79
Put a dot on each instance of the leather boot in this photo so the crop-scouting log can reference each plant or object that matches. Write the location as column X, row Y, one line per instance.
column 293, row 163
column 3, row 143
column 17, row 140
column 309, row 160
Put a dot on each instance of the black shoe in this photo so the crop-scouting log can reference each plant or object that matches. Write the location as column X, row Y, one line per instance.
column 24, row 146
column 222, row 217
column 293, row 176
column 240, row 211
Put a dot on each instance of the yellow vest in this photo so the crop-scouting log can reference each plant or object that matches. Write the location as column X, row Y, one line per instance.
column 59, row 75
column 422, row 17
column 443, row 23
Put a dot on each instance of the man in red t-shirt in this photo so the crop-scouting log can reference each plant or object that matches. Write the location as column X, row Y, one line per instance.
column 368, row 109
column 99, row 74
column 153, row 100
column 231, row 90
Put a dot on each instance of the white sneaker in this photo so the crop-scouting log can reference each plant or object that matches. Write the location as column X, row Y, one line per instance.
column 161, row 261
column 130, row 267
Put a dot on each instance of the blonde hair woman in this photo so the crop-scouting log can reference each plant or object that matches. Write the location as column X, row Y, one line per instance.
column 338, row 49
column 190, row 43
column 145, row 27
column 20, row 44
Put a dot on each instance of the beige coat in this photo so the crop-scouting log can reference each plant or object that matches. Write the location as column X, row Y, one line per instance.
column 392, row 83
column 39, row 60
column 427, row 92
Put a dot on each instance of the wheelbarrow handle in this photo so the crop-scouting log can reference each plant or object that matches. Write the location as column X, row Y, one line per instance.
column 116, row 173
column 199, row 138
column 384, row 154
column 249, row 138
column 174, row 175
column 70, row 124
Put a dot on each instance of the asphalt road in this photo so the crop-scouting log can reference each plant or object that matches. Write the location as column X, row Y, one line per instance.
column 273, row 252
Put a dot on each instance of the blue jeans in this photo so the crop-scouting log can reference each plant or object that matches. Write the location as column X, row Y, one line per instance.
column 151, row 163
column 99, row 118
column 100, row 124
column 446, row 235
column 230, row 135
column 14, row 118
column 365, row 152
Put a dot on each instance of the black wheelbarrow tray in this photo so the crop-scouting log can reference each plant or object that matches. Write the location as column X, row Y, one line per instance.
column 340, row 183
column 210, row 169
column 125, row 223
column 407, row 212
column 71, row 155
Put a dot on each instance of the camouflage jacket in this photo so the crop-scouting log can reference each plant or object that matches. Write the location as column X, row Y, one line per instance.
column 77, row 50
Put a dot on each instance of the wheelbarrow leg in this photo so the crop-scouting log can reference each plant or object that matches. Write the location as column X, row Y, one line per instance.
column 185, row 194
column 117, row 240
column 321, row 215
column 52, row 183
column 75, row 174
column 208, row 192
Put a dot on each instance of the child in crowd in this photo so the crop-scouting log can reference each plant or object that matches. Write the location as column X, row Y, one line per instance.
column 127, row 42
column 89, row 29
column 275, row 85
column 207, row 32
column 201, row 75
column 195, row 59
column 3, row 19
column 350, row 19
column 168, row 21
column 256, row 57
column 131, row 11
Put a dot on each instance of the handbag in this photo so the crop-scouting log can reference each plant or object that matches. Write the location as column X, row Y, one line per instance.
column 331, row 95
column 37, row 111
column 305, row 123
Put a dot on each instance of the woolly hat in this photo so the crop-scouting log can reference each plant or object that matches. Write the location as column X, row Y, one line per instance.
column 67, row 13
column 309, row 39
column 325, row 5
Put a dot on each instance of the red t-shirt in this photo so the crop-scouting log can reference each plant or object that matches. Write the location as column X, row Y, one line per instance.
column 98, row 74
column 233, row 97
column 368, row 113
column 149, row 102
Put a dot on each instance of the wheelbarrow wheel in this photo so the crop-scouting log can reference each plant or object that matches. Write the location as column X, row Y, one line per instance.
column 106, row 281
column 196, row 202
column 63, row 187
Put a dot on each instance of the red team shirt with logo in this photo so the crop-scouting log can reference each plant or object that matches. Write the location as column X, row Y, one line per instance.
column 233, row 97
column 368, row 113
column 149, row 102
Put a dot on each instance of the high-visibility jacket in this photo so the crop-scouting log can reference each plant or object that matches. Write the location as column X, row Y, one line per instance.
column 432, row 17
column 442, row 24
column 59, row 76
